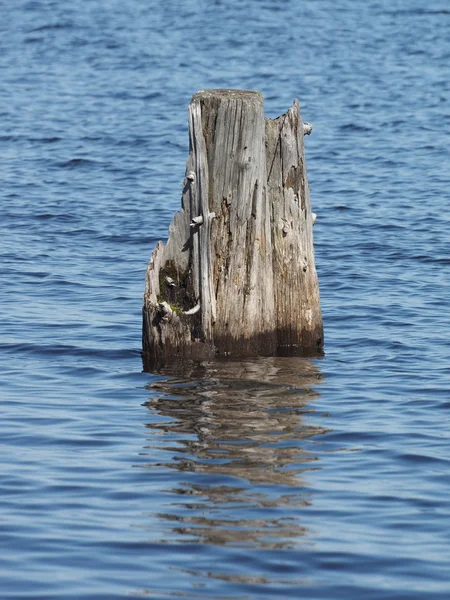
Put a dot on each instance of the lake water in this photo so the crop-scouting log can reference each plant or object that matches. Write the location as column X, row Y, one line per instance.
column 268, row 478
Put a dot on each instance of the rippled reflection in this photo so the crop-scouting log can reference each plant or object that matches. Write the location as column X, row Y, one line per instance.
column 239, row 434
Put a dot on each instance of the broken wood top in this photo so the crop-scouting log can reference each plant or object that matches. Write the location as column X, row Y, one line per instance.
column 225, row 93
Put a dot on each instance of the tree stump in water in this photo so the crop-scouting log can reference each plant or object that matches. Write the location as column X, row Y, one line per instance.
column 237, row 275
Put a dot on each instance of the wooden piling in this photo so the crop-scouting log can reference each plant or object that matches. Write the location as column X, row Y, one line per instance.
column 237, row 275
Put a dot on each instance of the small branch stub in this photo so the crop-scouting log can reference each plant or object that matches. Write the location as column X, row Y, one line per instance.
column 307, row 128
column 192, row 311
column 197, row 221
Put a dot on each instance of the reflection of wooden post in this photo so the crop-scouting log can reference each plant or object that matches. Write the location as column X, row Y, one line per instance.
column 237, row 276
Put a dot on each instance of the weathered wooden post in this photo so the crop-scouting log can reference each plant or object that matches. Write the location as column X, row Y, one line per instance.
column 237, row 275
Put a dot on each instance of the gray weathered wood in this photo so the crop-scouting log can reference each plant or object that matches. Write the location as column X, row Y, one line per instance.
column 237, row 276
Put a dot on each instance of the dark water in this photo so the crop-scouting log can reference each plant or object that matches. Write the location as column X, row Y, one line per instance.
column 271, row 478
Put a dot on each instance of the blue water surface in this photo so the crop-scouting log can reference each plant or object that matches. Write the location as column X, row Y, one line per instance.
column 261, row 479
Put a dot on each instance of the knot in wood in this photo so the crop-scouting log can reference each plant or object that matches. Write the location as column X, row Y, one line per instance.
column 165, row 312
